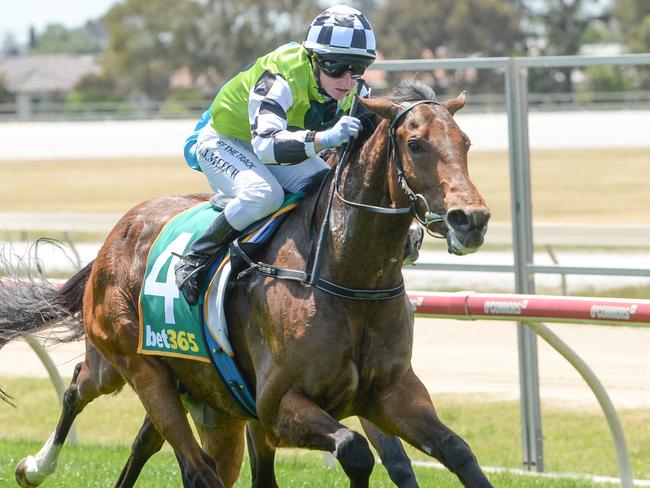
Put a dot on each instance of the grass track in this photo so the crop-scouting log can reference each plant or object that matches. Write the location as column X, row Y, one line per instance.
column 574, row 440
column 99, row 466
column 92, row 466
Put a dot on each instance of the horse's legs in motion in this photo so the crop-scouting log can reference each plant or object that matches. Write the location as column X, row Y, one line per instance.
column 92, row 378
column 407, row 411
column 392, row 455
column 154, row 383
column 301, row 423
column 222, row 438
column 147, row 443
column 261, row 454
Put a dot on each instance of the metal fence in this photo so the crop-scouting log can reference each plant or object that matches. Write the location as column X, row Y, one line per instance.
column 189, row 109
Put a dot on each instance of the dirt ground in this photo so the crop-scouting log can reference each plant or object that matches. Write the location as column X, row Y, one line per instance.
column 452, row 356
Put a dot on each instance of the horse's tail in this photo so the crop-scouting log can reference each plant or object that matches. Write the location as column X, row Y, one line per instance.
column 36, row 307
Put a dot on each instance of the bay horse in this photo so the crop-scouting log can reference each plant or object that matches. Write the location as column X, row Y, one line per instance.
column 311, row 357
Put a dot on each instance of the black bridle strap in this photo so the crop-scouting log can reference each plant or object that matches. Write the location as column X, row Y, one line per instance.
column 400, row 173
column 313, row 278
column 318, row 283
column 393, row 155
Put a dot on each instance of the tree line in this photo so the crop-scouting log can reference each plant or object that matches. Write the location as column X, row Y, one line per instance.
column 185, row 49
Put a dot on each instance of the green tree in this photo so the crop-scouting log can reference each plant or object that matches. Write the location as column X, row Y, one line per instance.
column 56, row 38
column 151, row 39
column 148, row 40
column 633, row 18
column 450, row 28
column 560, row 27
column 5, row 95
column 94, row 88
column 455, row 28
column 234, row 33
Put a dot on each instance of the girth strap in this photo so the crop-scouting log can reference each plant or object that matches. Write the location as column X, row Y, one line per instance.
column 306, row 278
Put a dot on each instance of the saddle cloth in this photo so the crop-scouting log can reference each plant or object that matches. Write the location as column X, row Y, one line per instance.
column 169, row 326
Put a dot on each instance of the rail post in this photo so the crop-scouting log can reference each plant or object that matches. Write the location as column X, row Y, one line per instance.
column 522, row 238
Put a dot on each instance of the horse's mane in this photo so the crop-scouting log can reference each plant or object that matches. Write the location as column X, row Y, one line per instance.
column 406, row 91
column 411, row 91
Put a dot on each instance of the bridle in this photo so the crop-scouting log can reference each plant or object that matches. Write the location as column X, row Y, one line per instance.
column 416, row 199
column 312, row 277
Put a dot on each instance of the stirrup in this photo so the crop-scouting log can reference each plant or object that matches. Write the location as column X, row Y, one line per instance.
column 190, row 285
column 189, row 276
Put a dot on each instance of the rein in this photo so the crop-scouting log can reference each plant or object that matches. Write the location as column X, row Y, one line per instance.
column 313, row 278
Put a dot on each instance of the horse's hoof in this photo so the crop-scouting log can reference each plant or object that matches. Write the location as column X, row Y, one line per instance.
column 21, row 473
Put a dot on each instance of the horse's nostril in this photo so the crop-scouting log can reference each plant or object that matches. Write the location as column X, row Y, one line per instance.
column 459, row 220
column 465, row 221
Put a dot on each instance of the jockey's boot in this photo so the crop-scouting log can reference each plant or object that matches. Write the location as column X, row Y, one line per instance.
column 193, row 262
column 413, row 244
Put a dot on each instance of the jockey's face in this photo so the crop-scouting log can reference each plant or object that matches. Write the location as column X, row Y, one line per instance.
column 337, row 88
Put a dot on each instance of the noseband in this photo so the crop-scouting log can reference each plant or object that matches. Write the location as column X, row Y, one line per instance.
column 394, row 157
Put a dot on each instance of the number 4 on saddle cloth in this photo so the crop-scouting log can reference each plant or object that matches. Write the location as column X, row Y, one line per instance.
column 169, row 326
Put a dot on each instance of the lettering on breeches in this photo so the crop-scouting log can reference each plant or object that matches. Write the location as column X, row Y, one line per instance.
column 221, row 164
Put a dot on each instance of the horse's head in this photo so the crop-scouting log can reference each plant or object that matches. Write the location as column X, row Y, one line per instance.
column 430, row 150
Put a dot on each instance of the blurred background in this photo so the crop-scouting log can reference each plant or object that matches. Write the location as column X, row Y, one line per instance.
column 166, row 58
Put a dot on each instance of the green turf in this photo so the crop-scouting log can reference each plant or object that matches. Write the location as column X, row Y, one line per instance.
column 99, row 466
column 575, row 441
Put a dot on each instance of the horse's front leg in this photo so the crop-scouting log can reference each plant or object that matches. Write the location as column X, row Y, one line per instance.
column 299, row 422
column 392, row 455
column 406, row 410
column 261, row 454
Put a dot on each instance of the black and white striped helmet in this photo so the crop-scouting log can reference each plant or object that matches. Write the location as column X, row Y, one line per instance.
column 341, row 30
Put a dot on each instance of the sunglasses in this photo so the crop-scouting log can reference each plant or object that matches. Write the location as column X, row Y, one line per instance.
column 336, row 69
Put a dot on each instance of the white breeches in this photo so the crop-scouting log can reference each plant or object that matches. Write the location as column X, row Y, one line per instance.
column 256, row 189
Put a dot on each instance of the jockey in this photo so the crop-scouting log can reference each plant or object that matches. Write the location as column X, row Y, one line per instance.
column 267, row 125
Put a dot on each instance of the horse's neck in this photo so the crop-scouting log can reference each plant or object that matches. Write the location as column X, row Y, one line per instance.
column 365, row 249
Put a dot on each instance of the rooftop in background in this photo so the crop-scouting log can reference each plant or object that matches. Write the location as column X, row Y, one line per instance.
column 46, row 73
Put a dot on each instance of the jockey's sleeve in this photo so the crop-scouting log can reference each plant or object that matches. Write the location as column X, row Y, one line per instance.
column 268, row 103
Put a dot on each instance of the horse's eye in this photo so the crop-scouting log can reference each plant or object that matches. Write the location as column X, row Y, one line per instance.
column 414, row 146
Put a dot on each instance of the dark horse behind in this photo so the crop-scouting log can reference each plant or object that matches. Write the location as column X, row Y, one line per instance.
column 310, row 356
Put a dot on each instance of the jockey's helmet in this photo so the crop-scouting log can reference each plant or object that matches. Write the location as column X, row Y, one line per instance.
column 342, row 34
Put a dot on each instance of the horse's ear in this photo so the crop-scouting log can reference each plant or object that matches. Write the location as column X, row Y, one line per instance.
column 455, row 104
column 381, row 106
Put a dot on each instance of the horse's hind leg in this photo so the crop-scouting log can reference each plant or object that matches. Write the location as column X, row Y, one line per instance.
column 92, row 378
column 406, row 410
column 222, row 438
column 147, row 443
column 392, row 455
column 154, row 383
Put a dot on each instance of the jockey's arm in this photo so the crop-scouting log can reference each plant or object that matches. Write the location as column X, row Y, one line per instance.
column 272, row 141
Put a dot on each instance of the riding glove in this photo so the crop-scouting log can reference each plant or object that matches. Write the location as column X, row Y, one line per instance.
column 341, row 133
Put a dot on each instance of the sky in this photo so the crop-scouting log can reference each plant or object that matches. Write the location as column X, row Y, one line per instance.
column 16, row 16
